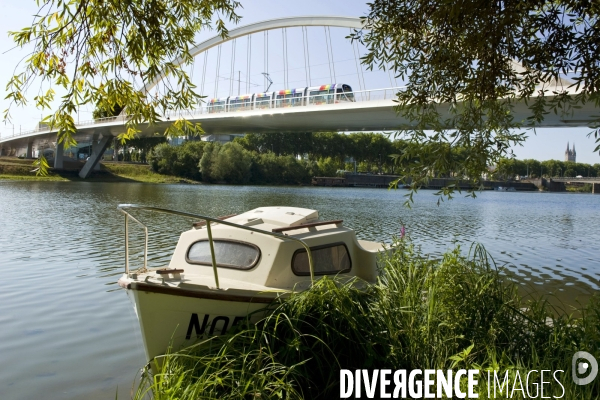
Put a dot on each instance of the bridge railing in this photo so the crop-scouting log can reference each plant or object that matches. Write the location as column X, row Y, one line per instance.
column 307, row 101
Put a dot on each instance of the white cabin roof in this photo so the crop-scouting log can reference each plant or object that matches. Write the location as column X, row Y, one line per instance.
column 276, row 216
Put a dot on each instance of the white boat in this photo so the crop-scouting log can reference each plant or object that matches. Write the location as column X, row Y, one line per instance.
column 225, row 268
column 505, row 189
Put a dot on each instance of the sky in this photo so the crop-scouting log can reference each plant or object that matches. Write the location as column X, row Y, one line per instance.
column 544, row 144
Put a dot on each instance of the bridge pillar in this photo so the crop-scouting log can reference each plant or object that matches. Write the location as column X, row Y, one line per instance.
column 554, row 186
column 97, row 152
column 95, row 144
column 29, row 153
column 116, row 149
column 596, row 188
column 59, row 153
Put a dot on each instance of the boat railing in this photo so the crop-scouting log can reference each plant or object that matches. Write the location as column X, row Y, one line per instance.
column 208, row 220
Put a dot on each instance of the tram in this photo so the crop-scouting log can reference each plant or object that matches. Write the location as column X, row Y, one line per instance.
column 315, row 95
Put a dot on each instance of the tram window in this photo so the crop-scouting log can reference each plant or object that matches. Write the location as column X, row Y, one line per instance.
column 283, row 101
column 297, row 101
column 263, row 102
column 228, row 254
column 239, row 105
column 216, row 107
column 348, row 92
column 344, row 95
column 321, row 97
column 327, row 260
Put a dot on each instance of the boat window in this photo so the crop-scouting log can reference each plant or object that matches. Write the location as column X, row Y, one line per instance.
column 330, row 259
column 228, row 254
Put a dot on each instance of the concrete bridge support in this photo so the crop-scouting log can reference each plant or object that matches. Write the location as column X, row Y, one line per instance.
column 596, row 188
column 29, row 153
column 554, row 186
column 98, row 148
column 116, row 149
column 59, row 153
column 95, row 144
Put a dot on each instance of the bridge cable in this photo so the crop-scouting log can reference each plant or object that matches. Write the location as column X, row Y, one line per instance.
column 285, row 58
column 306, row 56
column 248, row 51
column 357, row 57
column 357, row 67
column 266, row 58
column 391, row 83
column 231, row 77
column 193, row 66
column 283, row 54
column 204, row 73
column 332, row 59
column 328, row 55
column 217, row 71
column 287, row 63
column 392, row 75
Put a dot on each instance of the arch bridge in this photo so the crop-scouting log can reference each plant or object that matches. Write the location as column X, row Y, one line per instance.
column 367, row 110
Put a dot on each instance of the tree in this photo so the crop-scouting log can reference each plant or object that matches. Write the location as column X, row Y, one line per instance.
column 467, row 63
column 229, row 162
column 110, row 53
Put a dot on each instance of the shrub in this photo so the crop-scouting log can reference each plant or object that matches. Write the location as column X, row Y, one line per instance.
column 178, row 160
column 228, row 163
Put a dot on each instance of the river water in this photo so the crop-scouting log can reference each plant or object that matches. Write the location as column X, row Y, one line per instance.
column 68, row 331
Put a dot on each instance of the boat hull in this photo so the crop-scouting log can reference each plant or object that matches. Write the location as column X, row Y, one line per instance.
column 172, row 318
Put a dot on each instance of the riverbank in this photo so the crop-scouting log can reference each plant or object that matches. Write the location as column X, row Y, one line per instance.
column 424, row 313
column 12, row 168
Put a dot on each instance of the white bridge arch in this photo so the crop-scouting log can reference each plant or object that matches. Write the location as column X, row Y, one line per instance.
column 262, row 26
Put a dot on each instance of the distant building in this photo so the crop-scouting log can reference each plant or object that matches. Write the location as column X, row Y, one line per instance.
column 570, row 155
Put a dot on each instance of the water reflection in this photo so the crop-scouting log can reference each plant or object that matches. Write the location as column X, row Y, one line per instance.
column 68, row 332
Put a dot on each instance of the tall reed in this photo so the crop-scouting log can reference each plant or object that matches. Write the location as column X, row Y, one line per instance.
column 423, row 313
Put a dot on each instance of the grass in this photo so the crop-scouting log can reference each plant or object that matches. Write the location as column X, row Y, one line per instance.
column 586, row 188
column 141, row 173
column 12, row 168
column 33, row 178
column 449, row 313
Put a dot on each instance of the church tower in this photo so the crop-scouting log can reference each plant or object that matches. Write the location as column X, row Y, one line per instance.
column 570, row 155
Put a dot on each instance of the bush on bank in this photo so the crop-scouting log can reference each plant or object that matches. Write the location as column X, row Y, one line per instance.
column 232, row 163
column 178, row 160
column 456, row 312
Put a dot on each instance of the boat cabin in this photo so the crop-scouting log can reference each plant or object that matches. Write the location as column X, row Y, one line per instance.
column 272, row 262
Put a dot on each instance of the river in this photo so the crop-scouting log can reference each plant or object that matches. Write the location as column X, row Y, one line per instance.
column 68, row 331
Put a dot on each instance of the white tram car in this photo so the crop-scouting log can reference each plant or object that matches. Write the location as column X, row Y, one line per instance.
column 315, row 95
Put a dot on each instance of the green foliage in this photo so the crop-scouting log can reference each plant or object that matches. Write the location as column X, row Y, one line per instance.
column 423, row 313
column 327, row 167
column 509, row 168
column 100, row 113
column 178, row 160
column 110, row 54
column 228, row 163
column 374, row 149
column 462, row 83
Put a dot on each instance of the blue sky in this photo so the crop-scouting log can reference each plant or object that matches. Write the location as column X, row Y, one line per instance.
column 546, row 144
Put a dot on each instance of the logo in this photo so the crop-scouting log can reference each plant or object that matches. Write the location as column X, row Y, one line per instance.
column 581, row 368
